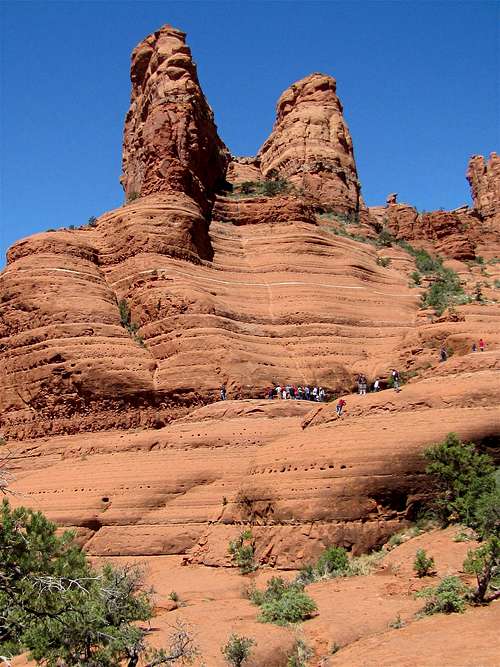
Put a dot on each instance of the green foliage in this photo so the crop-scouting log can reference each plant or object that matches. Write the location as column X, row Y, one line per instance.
column 462, row 476
column 449, row 597
column 283, row 602
column 423, row 565
column 300, row 654
column 479, row 260
column 126, row 322
column 58, row 608
column 416, row 277
column 92, row 222
column 385, row 239
column 497, row 283
column 273, row 187
column 397, row 623
column 484, row 562
column 133, row 196
column 426, row 263
column 242, row 551
column 247, row 187
column 445, row 291
column 237, row 649
column 333, row 561
column 383, row 261
column 487, row 513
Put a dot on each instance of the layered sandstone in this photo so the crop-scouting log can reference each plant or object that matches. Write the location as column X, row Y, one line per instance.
column 311, row 146
column 170, row 140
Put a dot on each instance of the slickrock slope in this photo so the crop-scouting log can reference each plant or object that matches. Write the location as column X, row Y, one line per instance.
column 311, row 146
column 114, row 336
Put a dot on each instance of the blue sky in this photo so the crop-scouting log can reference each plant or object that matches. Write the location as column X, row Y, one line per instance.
column 419, row 82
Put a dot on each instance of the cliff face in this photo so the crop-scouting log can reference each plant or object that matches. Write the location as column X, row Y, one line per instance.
column 484, row 178
column 310, row 144
column 170, row 139
column 130, row 326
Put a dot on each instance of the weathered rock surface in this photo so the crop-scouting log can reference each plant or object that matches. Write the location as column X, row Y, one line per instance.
column 170, row 141
column 310, row 144
column 484, row 178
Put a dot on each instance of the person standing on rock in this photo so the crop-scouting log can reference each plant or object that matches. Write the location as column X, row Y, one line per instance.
column 307, row 392
column 223, row 393
column 321, row 394
column 396, row 379
column 443, row 354
column 315, row 396
column 481, row 345
column 474, row 347
column 340, row 407
column 376, row 385
column 300, row 393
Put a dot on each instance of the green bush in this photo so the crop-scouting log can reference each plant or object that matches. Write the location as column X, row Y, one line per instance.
column 92, row 222
column 484, row 562
column 60, row 609
column 462, row 477
column 300, row 654
column 271, row 188
column 283, row 602
column 449, row 597
column 247, row 187
column 242, row 551
column 385, row 239
column 333, row 561
column 445, row 291
column 133, row 196
column 487, row 513
column 423, row 565
column 383, row 261
column 237, row 650
column 416, row 277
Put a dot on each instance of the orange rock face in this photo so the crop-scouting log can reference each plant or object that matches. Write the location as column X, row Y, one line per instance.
column 484, row 178
column 310, row 144
column 170, row 141
column 116, row 338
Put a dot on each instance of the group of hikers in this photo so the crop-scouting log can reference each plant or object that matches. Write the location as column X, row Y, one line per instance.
column 298, row 393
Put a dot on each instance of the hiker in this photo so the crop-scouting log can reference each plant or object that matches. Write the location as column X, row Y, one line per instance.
column 376, row 385
column 284, row 393
column 315, row 396
column 481, row 345
column 270, row 392
column 474, row 347
column 307, row 392
column 300, row 394
column 292, row 392
column 395, row 379
column 443, row 354
column 340, row 406
column 321, row 394
column 223, row 393
column 363, row 385
column 278, row 391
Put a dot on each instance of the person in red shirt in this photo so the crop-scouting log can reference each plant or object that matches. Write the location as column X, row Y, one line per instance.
column 481, row 344
column 340, row 406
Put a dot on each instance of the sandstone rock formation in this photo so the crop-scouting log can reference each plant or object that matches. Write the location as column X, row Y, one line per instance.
column 310, row 144
column 129, row 327
column 170, row 142
column 484, row 178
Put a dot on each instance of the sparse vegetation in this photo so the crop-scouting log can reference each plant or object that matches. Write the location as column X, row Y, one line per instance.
column 464, row 481
column 133, row 196
column 58, row 608
column 450, row 596
column 484, row 562
column 242, row 551
column 385, row 239
column 283, row 602
column 237, row 649
column 92, row 221
column 423, row 564
column 333, row 561
column 300, row 655
column 397, row 623
column 267, row 188
column 446, row 290
column 383, row 261
column 416, row 277
column 128, row 324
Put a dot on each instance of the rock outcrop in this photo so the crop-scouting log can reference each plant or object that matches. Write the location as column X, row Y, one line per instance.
column 310, row 144
column 170, row 140
column 484, row 179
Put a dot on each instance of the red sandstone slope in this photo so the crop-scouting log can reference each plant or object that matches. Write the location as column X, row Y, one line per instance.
column 115, row 338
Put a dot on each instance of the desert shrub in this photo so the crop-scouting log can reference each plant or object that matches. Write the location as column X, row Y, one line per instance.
column 487, row 513
column 92, row 221
column 423, row 564
column 306, row 575
column 61, row 610
column 416, row 277
column 462, row 477
column 333, row 561
column 385, row 239
column 242, row 552
column 397, row 623
column 128, row 324
column 300, row 654
column 133, row 196
column 497, row 283
column 271, row 188
column 479, row 260
column 484, row 562
column 426, row 263
column 445, row 291
column 449, row 597
column 248, row 187
column 283, row 602
column 237, row 650
column 383, row 261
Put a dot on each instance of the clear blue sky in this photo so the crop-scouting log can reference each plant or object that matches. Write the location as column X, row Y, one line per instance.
column 419, row 82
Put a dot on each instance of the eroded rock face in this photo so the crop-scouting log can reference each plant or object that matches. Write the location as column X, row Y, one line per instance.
column 310, row 144
column 484, row 179
column 170, row 139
